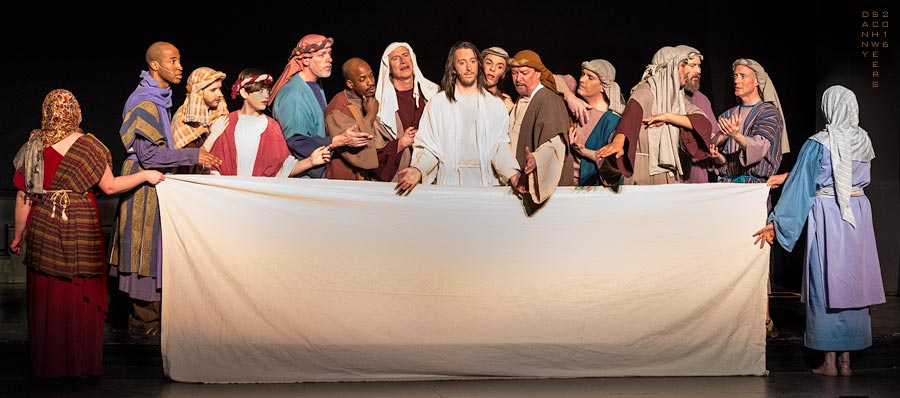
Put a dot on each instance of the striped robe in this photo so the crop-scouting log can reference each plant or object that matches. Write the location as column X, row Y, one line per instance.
column 762, row 156
column 67, row 299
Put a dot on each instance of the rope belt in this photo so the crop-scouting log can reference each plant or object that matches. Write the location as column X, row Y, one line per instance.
column 61, row 197
column 829, row 192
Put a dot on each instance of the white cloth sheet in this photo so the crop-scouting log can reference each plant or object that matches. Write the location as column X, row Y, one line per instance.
column 299, row 280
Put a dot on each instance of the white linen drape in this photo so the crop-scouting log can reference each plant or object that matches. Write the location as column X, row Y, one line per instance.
column 295, row 280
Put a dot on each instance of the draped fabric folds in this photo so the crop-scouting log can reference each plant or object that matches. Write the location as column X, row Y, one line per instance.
column 262, row 287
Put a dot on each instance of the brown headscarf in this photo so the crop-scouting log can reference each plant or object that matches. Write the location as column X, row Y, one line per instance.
column 304, row 49
column 532, row 60
column 61, row 116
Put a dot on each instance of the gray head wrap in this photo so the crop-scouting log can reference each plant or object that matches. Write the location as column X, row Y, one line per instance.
column 768, row 94
column 846, row 141
column 496, row 51
column 607, row 74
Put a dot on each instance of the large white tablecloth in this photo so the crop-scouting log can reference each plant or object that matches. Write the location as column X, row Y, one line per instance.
column 290, row 280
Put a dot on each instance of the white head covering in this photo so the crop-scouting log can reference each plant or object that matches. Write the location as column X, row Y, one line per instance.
column 767, row 88
column 607, row 74
column 846, row 141
column 387, row 95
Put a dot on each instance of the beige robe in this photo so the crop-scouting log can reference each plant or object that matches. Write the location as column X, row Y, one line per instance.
column 541, row 123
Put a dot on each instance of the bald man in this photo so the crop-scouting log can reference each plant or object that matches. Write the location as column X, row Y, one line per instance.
column 146, row 133
column 298, row 103
column 354, row 108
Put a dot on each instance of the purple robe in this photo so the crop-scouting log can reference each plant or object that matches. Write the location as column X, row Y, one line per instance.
column 847, row 256
column 146, row 133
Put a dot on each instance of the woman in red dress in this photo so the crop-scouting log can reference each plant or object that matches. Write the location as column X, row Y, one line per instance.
column 56, row 214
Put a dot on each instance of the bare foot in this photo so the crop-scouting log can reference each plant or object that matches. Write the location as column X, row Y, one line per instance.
column 844, row 368
column 825, row 371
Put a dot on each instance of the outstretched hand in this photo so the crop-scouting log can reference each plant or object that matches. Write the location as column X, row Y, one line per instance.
column 530, row 163
column 407, row 179
column 765, row 235
column 616, row 147
column 656, row 120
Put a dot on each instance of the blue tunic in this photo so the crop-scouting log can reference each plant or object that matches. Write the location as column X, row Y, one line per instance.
column 302, row 119
column 842, row 275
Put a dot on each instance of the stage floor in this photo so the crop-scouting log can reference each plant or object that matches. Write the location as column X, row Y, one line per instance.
column 133, row 368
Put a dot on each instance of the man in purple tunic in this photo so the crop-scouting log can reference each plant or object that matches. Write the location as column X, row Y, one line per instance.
column 700, row 168
column 825, row 192
column 147, row 135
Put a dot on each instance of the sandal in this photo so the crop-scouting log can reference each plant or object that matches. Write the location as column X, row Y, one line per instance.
column 153, row 331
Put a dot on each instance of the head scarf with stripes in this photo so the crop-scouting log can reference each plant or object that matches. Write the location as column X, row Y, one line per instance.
column 305, row 48
column 846, row 141
column 193, row 118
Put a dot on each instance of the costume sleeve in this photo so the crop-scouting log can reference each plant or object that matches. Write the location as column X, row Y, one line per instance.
column 767, row 127
column 152, row 156
column 630, row 125
column 363, row 157
column 797, row 197
column 549, row 158
column 302, row 147
column 426, row 149
column 696, row 141
column 756, row 150
column 388, row 161
column 504, row 162
column 287, row 167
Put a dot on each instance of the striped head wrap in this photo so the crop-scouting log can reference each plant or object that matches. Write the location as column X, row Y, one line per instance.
column 305, row 48
column 847, row 142
column 192, row 119
column 265, row 78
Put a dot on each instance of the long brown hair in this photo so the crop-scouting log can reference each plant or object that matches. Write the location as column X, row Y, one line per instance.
column 448, row 83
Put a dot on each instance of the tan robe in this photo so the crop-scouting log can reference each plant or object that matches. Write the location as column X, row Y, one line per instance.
column 640, row 154
column 345, row 110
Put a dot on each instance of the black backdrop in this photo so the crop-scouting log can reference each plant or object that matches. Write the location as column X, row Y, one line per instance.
column 804, row 47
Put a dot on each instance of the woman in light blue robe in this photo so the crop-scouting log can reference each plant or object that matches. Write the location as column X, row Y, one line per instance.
column 825, row 191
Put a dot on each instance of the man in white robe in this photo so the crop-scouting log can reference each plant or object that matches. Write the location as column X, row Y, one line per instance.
column 462, row 136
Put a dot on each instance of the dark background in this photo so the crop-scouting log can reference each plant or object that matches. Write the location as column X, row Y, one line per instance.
column 804, row 48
